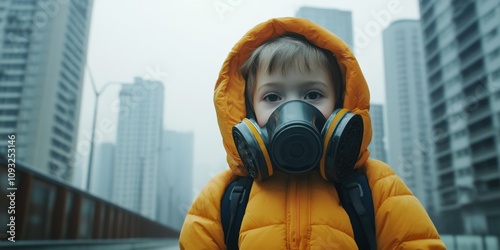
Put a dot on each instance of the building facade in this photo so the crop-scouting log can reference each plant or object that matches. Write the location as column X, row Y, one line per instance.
column 102, row 177
column 175, row 178
column 377, row 145
column 462, row 53
column 409, row 136
column 43, row 48
column 138, row 146
column 337, row 21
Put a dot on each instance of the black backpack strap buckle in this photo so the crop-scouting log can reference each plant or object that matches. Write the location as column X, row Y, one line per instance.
column 238, row 192
column 359, row 207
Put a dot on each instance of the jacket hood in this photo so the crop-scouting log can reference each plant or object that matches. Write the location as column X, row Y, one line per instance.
column 230, row 86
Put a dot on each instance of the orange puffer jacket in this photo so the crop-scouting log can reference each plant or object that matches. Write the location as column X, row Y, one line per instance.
column 302, row 212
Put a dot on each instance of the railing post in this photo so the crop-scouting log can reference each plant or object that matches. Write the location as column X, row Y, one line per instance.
column 74, row 225
column 97, row 226
column 107, row 226
column 24, row 203
column 124, row 225
column 116, row 223
column 58, row 215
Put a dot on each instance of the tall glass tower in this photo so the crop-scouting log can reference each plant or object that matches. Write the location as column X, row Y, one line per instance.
column 462, row 53
column 410, row 151
column 43, row 48
column 138, row 146
column 377, row 145
column 337, row 21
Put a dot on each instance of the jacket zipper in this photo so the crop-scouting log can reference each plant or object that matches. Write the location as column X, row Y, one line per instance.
column 298, row 209
column 297, row 215
column 291, row 189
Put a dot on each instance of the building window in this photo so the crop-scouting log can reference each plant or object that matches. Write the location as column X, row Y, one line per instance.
column 460, row 134
column 464, row 172
column 63, row 123
column 491, row 35
column 24, row 2
column 493, row 224
column 450, row 66
column 10, row 100
column 6, row 77
column 68, row 80
column 58, row 144
column 15, row 55
column 495, row 75
column 70, row 70
column 17, row 66
column 62, row 134
column 448, row 198
column 488, row 16
column 494, row 54
column 15, row 45
column 60, row 109
column 58, row 156
column 462, row 152
column 8, row 124
column 11, row 112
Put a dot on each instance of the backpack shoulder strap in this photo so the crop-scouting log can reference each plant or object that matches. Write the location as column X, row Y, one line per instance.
column 356, row 198
column 233, row 205
column 354, row 193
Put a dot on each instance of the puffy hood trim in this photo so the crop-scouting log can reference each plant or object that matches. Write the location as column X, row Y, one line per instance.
column 230, row 86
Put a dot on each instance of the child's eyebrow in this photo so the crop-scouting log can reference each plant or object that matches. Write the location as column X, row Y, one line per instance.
column 282, row 84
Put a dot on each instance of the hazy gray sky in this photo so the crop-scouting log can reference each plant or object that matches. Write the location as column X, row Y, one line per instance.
column 184, row 44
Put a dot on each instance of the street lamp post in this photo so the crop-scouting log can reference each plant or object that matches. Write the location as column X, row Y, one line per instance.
column 97, row 93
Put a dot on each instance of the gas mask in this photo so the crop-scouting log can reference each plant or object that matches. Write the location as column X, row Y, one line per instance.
column 297, row 139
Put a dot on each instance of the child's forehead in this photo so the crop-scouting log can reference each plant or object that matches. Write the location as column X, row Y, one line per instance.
column 292, row 70
column 294, row 79
column 284, row 62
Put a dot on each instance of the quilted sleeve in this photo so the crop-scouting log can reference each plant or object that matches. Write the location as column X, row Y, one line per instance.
column 202, row 228
column 400, row 219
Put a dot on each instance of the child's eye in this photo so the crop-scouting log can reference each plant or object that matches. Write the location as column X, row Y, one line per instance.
column 272, row 98
column 313, row 95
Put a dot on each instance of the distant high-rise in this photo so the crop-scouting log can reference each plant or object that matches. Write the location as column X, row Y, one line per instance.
column 175, row 190
column 43, row 52
column 409, row 151
column 138, row 146
column 377, row 146
column 336, row 21
column 102, row 176
column 462, row 52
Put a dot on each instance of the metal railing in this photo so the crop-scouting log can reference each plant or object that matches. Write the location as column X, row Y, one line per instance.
column 38, row 207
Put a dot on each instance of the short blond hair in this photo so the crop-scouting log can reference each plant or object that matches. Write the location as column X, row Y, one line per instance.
column 290, row 50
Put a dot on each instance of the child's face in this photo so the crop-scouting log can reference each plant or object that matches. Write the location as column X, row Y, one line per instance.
column 272, row 90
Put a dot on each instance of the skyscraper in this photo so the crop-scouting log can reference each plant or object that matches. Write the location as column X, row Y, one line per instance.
column 42, row 59
column 377, row 146
column 462, row 52
column 175, row 175
column 102, row 176
column 337, row 21
column 409, row 153
column 138, row 146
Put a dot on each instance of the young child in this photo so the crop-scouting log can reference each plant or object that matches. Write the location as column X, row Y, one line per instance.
column 292, row 70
